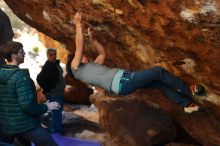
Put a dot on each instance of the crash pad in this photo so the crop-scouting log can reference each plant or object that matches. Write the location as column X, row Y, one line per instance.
column 70, row 141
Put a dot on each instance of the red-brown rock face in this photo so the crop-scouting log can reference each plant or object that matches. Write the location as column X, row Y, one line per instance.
column 180, row 35
column 128, row 118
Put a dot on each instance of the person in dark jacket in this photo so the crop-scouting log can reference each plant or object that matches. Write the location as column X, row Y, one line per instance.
column 19, row 110
column 52, row 82
column 6, row 32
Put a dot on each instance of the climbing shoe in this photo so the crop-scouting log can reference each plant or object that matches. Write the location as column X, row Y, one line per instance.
column 192, row 107
column 197, row 90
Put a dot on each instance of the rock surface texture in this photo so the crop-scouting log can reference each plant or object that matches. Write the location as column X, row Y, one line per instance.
column 180, row 35
column 137, row 123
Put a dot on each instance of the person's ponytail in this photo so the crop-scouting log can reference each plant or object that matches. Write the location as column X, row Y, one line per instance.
column 68, row 64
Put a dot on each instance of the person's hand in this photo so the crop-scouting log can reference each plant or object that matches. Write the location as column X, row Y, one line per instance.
column 90, row 33
column 78, row 19
column 53, row 105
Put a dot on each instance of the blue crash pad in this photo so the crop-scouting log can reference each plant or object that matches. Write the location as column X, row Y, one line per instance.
column 69, row 141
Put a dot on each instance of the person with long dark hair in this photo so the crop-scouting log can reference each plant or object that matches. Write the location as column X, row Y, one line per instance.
column 6, row 31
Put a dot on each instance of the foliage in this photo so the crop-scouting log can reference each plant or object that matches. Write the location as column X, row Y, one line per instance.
column 35, row 49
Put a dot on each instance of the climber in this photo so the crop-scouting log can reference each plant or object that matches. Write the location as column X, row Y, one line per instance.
column 122, row 82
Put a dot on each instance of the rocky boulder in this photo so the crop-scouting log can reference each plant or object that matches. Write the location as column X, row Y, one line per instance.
column 182, row 36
